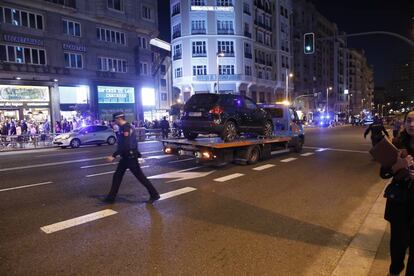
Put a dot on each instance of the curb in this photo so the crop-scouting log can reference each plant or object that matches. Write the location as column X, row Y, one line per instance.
column 359, row 256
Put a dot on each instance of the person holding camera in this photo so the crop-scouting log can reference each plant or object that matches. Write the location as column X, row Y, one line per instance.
column 399, row 210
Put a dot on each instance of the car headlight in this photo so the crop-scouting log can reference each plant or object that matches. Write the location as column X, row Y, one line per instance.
column 64, row 136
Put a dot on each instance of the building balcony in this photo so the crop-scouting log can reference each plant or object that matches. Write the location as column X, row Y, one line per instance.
column 263, row 25
column 213, row 77
column 198, row 31
column 176, row 35
column 247, row 34
column 177, row 56
column 175, row 13
column 199, row 54
column 225, row 31
column 228, row 54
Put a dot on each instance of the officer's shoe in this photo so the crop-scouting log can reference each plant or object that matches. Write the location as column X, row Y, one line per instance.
column 153, row 199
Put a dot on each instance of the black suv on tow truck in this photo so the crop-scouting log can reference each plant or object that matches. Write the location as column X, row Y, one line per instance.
column 226, row 115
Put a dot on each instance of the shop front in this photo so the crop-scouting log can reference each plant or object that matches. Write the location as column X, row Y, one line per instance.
column 74, row 102
column 24, row 102
column 113, row 99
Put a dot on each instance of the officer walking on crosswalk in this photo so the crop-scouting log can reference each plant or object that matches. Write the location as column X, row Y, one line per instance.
column 128, row 150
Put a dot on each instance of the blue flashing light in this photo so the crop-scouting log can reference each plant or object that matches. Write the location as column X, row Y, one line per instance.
column 321, row 123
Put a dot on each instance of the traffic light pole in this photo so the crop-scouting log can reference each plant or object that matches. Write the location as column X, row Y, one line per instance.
column 409, row 41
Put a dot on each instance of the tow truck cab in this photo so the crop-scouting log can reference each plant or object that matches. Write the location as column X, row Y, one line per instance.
column 287, row 136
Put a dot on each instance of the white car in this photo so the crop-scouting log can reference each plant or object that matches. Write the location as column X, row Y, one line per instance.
column 89, row 135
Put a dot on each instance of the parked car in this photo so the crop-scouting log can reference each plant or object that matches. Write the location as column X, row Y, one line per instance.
column 89, row 135
column 226, row 115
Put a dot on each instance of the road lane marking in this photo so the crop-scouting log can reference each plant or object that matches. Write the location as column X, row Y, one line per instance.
column 28, row 151
column 288, row 160
column 229, row 177
column 307, row 154
column 264, row 167
column 149, row 142
column 157, row 157
column 50, row 164
column 63, row 153
column 181, row 175
column 177, row 192
column 99, row 165
column 105, row 173
column 336, row 149
column 52, row 228
column 179, row 161
column 26, row 186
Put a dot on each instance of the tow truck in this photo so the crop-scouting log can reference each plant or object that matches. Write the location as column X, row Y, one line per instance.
column 288, row 135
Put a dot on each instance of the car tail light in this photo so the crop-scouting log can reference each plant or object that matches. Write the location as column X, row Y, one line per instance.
column 216, row 110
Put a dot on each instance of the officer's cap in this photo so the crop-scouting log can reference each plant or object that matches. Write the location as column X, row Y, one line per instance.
column 118, row 115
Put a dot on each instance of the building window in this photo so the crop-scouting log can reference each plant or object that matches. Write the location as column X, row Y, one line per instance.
column 18, row 54
column 109, row 35
column 177, row 52
column 199, row 70
column 226, row 47
column 112, row 65
column 142, row 43
column 163, row 83
column 164, row 97
column 226, row 69
column 225, row 27
column 198, row 2
column 178, row 72
column 71, row 28
column 176, row 31
column 248, row 70
column 198, row 27
column 176, row 9
column 147, row 13
column 21, row 18
column 115, row 5
column 143, row 69
column 66, row 3
column 246, row 8
column 163, row 69
column 248, row 50
column 199, row 49
column 226, row 3
column 73, row 60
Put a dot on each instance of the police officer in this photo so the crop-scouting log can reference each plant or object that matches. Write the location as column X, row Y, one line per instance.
column 128, row 150
column 377, row 129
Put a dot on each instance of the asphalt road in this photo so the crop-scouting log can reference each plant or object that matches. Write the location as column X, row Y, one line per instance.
column 292, row 215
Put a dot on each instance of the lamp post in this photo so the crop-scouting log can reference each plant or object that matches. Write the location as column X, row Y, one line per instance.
column 220, row 54
column 288, row 75
column 327, row 100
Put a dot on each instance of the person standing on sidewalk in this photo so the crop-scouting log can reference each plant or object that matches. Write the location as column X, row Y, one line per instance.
column 399, row 210
column 165, row 128
column 128, row 150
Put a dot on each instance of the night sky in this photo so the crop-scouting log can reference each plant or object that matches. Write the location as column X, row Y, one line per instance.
column 354, row 16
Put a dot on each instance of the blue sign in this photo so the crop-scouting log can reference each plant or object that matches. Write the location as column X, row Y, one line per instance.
column 116, row 95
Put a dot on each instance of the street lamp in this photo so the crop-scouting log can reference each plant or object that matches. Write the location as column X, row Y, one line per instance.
column 327, row 100
column 288, row 75
column 219, row 55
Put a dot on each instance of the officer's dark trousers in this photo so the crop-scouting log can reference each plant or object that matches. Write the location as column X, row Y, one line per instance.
column 133, row 165
column 402, row 238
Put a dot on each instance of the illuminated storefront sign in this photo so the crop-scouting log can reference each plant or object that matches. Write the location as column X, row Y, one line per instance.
column 23, row 93
column 116, row 95
column 212, row 8
column 148, row 96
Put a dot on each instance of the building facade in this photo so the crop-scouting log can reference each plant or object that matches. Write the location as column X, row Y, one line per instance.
column 361, row 83
column 320, row 79
column 247, row 43
column 62, row 57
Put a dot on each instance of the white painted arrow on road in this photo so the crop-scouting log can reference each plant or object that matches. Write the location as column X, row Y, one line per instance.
column 181, row 175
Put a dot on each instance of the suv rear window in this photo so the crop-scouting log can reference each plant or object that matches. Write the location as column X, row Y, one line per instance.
column 203, row 99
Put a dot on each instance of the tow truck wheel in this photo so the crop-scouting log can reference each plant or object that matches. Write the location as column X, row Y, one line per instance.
column 229, row 132
column 253, row 155
column 190, row 135
column 268, row 129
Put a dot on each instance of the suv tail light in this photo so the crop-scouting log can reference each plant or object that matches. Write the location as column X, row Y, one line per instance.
column 216, row 110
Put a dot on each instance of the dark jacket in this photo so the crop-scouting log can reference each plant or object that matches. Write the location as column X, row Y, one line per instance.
column 377, row 130
column 127, row 143
column 400, row 210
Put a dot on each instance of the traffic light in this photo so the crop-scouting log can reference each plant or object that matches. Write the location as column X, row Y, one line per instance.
column 309, row 43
